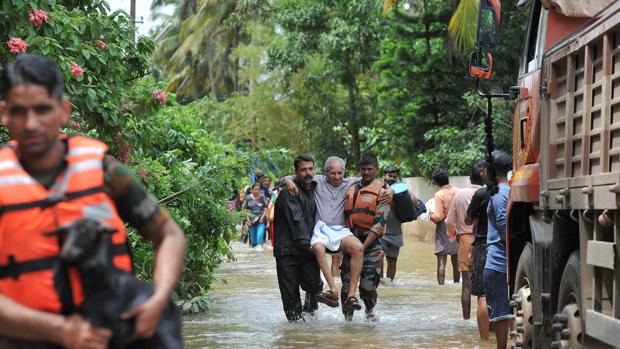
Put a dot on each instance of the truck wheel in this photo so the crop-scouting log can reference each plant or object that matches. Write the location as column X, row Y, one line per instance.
column 522, row 299
column 567, row 323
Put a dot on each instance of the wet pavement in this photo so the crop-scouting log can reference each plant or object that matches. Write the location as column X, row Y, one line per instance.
column 414, row 312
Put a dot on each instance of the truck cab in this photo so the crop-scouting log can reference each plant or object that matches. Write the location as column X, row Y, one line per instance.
column 563, row 235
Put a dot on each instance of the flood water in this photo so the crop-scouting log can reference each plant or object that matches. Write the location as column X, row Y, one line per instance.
column 415, row 312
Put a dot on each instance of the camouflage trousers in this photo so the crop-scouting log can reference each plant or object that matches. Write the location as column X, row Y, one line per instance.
column 369, row 279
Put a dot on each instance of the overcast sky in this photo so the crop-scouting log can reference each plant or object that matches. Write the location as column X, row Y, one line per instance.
column 143, row 9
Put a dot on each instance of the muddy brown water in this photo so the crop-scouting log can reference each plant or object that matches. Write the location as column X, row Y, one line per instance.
column 415, row 312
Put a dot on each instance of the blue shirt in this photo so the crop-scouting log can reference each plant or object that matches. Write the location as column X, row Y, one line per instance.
column 496, row 213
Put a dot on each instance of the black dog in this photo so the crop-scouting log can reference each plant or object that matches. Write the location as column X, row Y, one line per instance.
column 109, row 291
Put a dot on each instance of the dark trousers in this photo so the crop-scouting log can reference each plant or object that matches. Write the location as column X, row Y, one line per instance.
column 294, row 272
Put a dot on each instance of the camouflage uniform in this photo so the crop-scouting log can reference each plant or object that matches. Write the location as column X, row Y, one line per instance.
column 371, row 272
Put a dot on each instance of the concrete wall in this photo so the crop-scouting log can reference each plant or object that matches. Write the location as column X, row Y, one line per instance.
column 425, row 190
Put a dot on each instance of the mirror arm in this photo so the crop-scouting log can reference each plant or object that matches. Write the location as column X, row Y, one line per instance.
column 490, row 95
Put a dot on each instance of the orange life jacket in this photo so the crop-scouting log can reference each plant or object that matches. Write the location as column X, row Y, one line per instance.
column 360, row 205
column 29, row 263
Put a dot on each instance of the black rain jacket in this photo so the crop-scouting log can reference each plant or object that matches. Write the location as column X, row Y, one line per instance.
column 294, row 221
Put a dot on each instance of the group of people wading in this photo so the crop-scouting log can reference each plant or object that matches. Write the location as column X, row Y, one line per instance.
column 318, row 214
column 359, row 218
column 471, row 229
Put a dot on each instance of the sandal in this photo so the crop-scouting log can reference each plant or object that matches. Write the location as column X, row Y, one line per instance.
column 353, row 303
column 328, row 297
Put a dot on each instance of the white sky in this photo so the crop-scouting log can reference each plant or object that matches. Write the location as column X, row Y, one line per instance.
column 143, row 9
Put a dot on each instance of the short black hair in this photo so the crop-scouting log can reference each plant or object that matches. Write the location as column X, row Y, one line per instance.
column 440, row 177
column 501, row 163
column 256, row 184
column 391, row 169
column 302, row 158
column 368, row 159
column 474, row 176
column 35, row 70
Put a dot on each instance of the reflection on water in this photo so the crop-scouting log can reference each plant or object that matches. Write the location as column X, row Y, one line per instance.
column 414, row 313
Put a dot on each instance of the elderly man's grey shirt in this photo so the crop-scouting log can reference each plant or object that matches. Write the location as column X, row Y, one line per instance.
column 330, row 199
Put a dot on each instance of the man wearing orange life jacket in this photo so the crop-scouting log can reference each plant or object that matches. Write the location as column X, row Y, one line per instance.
column 48, row 180
column 366, row 218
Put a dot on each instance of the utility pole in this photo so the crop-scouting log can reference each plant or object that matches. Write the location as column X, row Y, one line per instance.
column 132, row 14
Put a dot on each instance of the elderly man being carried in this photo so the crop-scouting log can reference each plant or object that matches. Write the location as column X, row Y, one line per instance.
column 330, row 233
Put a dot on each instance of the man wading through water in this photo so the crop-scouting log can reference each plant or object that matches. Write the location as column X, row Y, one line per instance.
column 366, row 218
column 477, row 213
column 392, row 241
column 443, row 246
column 294, row 221
column 463, row 233
column 48, row 180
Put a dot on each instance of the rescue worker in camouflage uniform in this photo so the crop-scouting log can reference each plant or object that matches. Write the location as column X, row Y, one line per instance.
column 366, row 218
column 49, row 180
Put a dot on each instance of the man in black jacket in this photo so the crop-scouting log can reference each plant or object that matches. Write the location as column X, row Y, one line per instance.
column 294, row 221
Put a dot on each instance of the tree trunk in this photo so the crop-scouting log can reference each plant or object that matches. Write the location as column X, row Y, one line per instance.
column 354, row 121
column 429, row 52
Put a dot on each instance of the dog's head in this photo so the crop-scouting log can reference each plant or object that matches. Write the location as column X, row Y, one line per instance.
column 81, row 238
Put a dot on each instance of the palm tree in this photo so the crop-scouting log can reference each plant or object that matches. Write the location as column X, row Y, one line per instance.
column 195, row 52
column 463, row 24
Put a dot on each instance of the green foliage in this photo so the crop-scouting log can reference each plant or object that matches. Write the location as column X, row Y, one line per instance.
column 69, row 37
column 343, row 36
column 193, row 175
column 454, row 150
column 420, row 89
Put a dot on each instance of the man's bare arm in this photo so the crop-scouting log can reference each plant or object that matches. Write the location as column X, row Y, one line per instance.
column 28, row 324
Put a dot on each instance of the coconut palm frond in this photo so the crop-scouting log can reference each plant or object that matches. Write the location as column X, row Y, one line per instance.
column 462, row 27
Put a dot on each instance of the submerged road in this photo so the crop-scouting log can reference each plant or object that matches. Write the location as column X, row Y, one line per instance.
column 415, row 312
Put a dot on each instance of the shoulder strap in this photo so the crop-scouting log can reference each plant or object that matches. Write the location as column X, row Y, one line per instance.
column 51, row 200
column 356, row 189
column 15, row 269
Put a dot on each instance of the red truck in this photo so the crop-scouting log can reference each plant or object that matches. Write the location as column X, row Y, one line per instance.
column 563, row 222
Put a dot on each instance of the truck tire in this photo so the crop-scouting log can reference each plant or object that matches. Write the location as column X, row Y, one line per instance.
column 567, row 323
column 522, row 299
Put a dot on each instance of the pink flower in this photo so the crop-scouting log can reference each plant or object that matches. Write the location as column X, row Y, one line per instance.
column 76, row 125
column 16, row 46
column 76, row 70
column 143, row 173
column 160, row 96
column 102, row 45
column 37, row 17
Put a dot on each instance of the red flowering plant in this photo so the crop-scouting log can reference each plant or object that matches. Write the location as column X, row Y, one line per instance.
column 160, row 96
column 16, row 46
column 37, row 17
column 92, row 46
column 101, row 44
